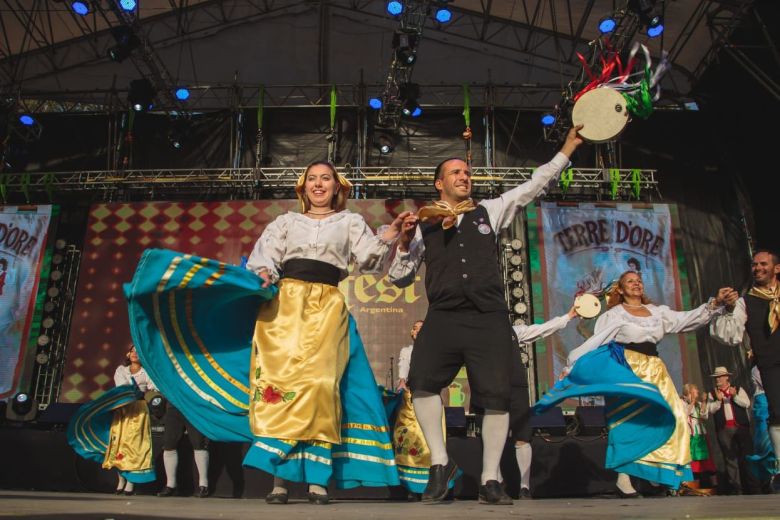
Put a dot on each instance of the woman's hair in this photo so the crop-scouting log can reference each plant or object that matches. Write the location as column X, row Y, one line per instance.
column 339, row 201
column 126, row 362
column 613, row 293
column 687, row 387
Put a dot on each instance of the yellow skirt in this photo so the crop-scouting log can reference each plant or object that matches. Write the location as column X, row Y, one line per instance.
column 408, row 439
column 130, row 439
column 300, row 350
column 677, row 449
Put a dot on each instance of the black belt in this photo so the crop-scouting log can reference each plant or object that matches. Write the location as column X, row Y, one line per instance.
column 647, row 348
column 312, row 271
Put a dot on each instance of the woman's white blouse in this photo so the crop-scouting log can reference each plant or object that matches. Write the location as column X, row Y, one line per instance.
column 122, row 377
column 617, row 324
column 339, row 240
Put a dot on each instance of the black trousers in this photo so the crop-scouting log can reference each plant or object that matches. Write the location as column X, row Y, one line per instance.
column 175, row 425
column 736, row 444
column 450, row 339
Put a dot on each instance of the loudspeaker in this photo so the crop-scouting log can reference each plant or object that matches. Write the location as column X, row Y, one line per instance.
column 551, row 422
column 57, row 414
column 455, row 420
column 591, row 420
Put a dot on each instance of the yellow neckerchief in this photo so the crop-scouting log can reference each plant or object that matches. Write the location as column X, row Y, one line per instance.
column 773, row 296
column 448, row 213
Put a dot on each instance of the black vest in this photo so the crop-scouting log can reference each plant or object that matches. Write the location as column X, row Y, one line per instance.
column 740, row 414
column 461, row 265
column 765, row 345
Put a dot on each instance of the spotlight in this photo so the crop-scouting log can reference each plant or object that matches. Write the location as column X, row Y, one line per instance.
column 157, row 405
column 417, row 112
column 405, row 46
column 607, row 25
column 655, row 31
column 126, row 41
column 548, row 119
column 411, row 108
column 80, row 8
column 384, row 144
column 26, row 120
column 375, row 103
column 128, row 5
column 395, row 8
column 141, row 95
column 520, row 308
column 178, row 133
column 22, row 408
column 517, row 276
column 443, row 15
column 408, row 93
column 182, row 94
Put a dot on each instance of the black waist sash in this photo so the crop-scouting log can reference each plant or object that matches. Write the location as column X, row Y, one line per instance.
column 312, row 271
column 647, row 348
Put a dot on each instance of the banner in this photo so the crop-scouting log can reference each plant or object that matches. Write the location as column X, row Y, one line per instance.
column 23, row 233
column 584, row 248
column 118, row 233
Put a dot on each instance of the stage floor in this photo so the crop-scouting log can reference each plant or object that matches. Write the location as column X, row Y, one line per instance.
column 30, row 505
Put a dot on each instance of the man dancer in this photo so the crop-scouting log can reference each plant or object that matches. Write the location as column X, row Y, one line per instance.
column 467, row 321
column 758, row 314
column 405, row 357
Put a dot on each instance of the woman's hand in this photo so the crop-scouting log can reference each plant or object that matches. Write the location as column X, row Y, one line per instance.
column 266, row 276
column 726, row 296
column 403, row 227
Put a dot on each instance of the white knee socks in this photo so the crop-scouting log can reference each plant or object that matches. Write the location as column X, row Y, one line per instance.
column 202, row 463
column 624, row 484
column 774, row 436
column 523, row 455
column 171, row 462
column 280, row 486
column 120, row 485
column 428, row 409
column 495, row 426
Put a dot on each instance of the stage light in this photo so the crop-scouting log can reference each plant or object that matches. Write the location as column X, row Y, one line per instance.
column 22, row 403
column 179, row 133
column 443, row 15
column 128, row 5
column 405, row 46
column 417, row 112
column 548, row 119
column 655, row 31
column 384, row 143
column 395, row 8
column 375, row 103
column 126, row 41
column 607, row 25
column 141, row 95
column 80, row 8
column 182, row 94
column 410, row 107
column 26, row 120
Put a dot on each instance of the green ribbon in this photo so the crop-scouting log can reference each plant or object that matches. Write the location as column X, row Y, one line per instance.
column 641, row 103
column 48, row 184
column 614, row 182
column 260, row 107
column 333, row 107
column 566, row 177
column 636, row 186
column 467, row 105
column 26, row 180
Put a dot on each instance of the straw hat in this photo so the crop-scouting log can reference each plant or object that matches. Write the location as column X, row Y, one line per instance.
column 721, row 371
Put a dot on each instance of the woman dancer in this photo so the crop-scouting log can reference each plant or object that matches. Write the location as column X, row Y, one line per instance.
column 314, row 412
column 648, row 424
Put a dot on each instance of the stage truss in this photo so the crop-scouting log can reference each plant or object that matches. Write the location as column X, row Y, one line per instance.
column 368, row 182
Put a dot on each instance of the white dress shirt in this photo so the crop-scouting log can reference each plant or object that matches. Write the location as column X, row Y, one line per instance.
column 122, row 376
column 530, row 333
column 501, row 211
column 339, row 240
column 729, row 328
column 404, row 362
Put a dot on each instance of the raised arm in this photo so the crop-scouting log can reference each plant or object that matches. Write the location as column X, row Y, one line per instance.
column 686, row 321
column 502, row 210
column 529, row 333
column 370, row 252
column 269, row 249
column 729, row 327
column 607, row 327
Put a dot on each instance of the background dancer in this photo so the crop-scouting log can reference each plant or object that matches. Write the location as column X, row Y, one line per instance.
column 467, row 321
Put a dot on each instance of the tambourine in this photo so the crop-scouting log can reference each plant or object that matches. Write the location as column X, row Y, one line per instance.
column 587, row 306
column 603, row 114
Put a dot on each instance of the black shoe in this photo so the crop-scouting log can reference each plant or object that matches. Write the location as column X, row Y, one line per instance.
column 525, row 494
column 318, row 499
column 129, row 493
column 167, row 492
column 202, row 492
column 119, row 491
column 492, row 493
column 621, row 494
column 413, row 497
column 276, row 498
column 438, row 481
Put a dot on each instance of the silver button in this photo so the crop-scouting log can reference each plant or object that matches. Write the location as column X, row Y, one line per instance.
column 463, row 260
column 465, row 275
